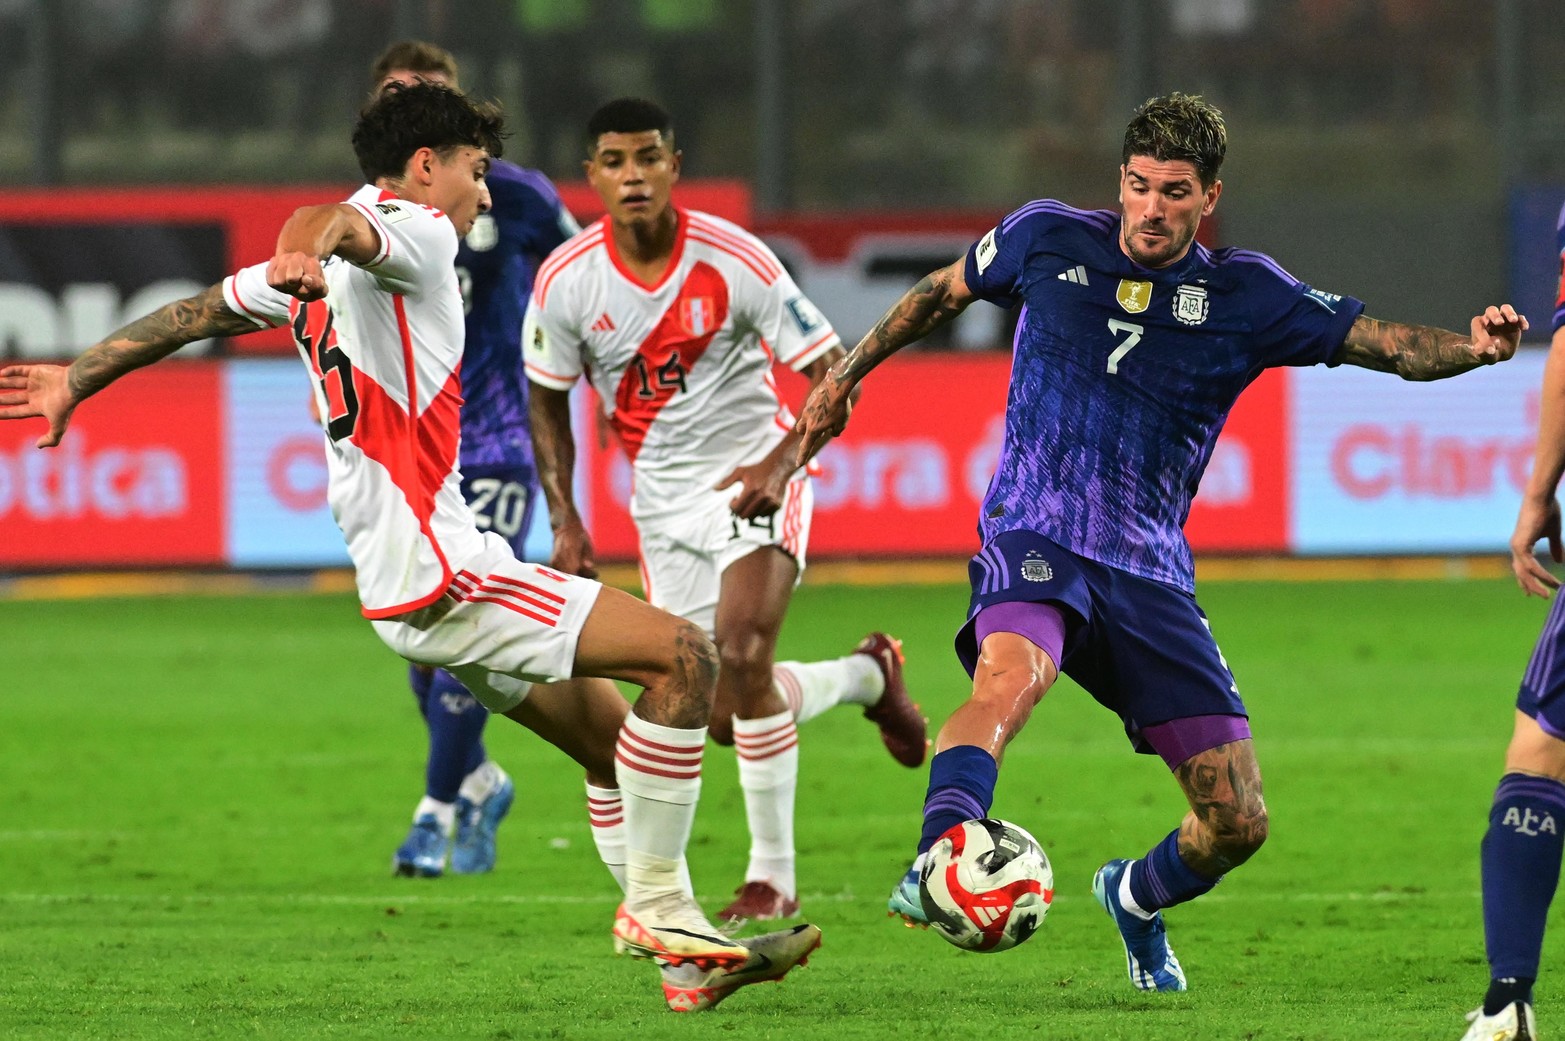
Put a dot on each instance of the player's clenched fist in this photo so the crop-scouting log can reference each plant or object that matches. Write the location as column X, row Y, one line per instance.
column 298, row 275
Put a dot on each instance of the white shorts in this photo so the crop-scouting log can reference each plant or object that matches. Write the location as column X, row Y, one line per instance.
column 502, row 625
column 683, row 556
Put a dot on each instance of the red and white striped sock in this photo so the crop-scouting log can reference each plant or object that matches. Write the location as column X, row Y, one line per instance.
column 769, row 774
column 659, row 774
column 810, row 688
column 606, row 814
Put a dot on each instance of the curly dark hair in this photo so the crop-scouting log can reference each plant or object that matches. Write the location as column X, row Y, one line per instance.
column 402, row 119
column 1179, row 127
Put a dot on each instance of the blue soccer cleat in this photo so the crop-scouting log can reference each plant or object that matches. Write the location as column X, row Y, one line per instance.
column 1148, row 957
column 473, row 852
column 423, row 853
column 904, row 902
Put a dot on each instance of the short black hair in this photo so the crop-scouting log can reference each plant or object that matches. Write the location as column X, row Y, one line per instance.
column 402, row 119
column 628, row 116
column 1179, row 127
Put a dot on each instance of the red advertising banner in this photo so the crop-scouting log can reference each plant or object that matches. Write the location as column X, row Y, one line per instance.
column 138, row 480
column 908, row 476
column 1243, row 506
column 905, row 480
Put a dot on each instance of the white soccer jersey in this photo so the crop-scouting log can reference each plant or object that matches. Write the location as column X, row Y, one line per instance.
column 384, row 347
column 683, row 367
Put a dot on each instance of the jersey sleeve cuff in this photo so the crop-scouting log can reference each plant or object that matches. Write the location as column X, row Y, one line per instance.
column 236, row 304
column 545, row 378
column 802, row 360
column 380, row 231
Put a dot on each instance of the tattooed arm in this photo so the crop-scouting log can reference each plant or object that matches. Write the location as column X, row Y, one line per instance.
column 554, row 453
column 939, row 297
column 1420, row 352
column 54, row 391
column 764, row 484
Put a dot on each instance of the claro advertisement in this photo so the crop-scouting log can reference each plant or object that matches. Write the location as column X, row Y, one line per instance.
column 217, row 463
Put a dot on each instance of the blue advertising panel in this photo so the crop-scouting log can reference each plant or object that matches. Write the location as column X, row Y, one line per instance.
column 277, row 511
column 1381, row 465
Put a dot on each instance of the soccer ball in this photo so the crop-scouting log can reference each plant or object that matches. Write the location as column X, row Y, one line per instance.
column 986, row 885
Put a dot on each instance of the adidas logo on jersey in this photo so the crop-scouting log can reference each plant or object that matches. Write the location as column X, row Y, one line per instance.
column 604, row 324
column 1077, row 274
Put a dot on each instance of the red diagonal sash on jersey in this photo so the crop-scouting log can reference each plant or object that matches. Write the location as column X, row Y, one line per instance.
column 418, row 451
column 658, row 370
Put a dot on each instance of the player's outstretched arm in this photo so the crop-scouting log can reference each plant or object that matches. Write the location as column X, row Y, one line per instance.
column 1539, row 517
column 1421, row 352
column 939, row 297
column 554, row 450
column 54, row 391
column 763, row 485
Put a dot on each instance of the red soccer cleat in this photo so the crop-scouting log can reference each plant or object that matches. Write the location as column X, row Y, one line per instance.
column 756, row 901
column 903, row 728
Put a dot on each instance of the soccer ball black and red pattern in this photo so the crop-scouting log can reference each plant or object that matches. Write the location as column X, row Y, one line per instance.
column 986, row 885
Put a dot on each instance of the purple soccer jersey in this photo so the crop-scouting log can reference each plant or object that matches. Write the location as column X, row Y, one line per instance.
column 496, row 264
column 1122, row 378
column 1559, row 298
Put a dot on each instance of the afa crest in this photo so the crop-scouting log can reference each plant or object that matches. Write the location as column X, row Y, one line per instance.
column 1190, row 304
column 1035, row 568
column 1134, row 297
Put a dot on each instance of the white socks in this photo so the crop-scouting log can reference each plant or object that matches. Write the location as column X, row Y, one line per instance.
column 810, row 688
column 768, row 752
column 659, row 774
column 482, row 782
column 606, row 813
column 444, row 812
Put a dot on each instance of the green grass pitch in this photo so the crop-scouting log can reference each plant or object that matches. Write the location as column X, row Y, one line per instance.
column 201, row 795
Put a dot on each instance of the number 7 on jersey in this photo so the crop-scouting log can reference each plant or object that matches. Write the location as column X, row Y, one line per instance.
column 1132, row 333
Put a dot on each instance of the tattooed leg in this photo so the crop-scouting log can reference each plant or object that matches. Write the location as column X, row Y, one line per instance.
column 673, row 660
column 1227, row 819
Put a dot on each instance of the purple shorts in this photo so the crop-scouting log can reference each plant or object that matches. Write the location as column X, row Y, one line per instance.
column 1542, row 693
column 1141, row 648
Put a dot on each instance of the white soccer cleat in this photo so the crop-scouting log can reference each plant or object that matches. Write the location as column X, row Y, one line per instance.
column 687, row 988
column 673, row 930
column 1514, row 1022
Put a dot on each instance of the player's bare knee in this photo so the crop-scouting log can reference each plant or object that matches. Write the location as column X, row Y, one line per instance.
column 1011, row 696
column 1534, row 751
column 681, row 685
column 745, row 663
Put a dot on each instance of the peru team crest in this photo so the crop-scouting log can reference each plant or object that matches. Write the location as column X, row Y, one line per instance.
column 1190, row 304
column 1134, row 297
column 697, row 315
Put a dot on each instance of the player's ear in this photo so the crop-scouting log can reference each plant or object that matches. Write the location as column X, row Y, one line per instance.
column 422, row 166
column 675, row 163
column 1211, row 198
